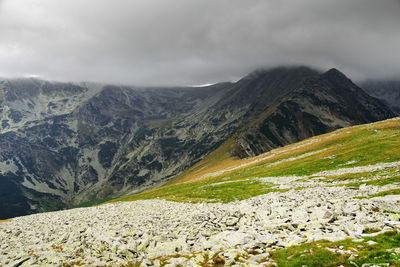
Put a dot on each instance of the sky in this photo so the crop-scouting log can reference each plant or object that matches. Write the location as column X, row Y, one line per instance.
column 194, row 42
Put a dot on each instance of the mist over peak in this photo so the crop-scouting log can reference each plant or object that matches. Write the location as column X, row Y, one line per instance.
column 176, row 42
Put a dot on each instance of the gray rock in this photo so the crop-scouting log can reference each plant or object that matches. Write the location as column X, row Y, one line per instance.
column 133, row 231
column 232, row 221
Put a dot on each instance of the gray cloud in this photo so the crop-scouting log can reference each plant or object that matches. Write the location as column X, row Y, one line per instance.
column 171, row 42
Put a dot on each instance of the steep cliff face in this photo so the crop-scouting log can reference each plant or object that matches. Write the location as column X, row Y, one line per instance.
column 64, row 144
column 321, row 103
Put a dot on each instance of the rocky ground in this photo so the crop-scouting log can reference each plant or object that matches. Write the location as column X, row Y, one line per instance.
column 155, row 232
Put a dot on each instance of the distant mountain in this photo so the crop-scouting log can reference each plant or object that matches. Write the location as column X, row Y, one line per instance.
column 66, row 144
column 386, row 90
column 316, row 104
column 60, row 148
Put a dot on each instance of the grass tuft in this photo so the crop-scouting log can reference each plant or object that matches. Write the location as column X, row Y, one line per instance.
column 345, row 252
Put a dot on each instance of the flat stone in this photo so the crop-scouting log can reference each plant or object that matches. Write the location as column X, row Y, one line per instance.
column 232, row 221
column 371, row 243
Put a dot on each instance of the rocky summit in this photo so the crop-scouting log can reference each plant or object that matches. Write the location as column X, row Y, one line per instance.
column 159, row 232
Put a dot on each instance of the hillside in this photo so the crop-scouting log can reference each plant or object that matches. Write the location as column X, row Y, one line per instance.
column 352, row 155
column 68, row 144
column 330, row 200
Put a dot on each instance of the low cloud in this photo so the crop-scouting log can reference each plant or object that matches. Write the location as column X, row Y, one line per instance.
column 181, row 42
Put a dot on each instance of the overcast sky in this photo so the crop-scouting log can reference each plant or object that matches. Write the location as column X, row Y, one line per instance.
column 189, row 42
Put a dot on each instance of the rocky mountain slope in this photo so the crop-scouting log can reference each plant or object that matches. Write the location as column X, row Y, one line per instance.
column 115, row 140
column 318, row 104
column 387, row 90
column 64, row 144
column 278, row 208
column 156, row 231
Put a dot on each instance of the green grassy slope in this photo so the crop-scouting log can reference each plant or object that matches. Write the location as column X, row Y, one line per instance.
column 348, row 157
column 372, row 251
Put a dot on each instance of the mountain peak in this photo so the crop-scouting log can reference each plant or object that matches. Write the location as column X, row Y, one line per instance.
column 334, row 73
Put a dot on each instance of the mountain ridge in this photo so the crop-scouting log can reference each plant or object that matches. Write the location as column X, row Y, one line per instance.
column 107, row 141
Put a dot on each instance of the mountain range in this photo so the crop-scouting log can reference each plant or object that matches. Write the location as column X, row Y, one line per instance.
column 69, row 144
